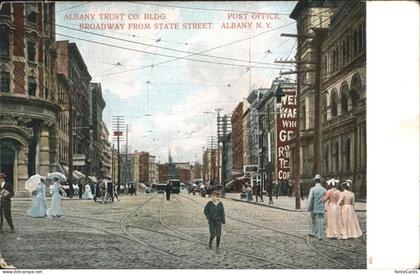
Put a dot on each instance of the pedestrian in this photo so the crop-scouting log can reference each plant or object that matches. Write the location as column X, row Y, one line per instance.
column 55, row 209
column 317, row 208
column 258, row 193
column 348, row 214
column 249, row 193
column 88, row 192
column 39, row 205
column 168, row 190
column 277, row 189
column 290, row 188
column 335, row 229
column 215, row 214
column 6, row 192
column 80, row 187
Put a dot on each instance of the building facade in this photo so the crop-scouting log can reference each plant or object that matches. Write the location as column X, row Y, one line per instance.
column 237, row 139
column 97, row 106
column 332, row 91
column 28, row 96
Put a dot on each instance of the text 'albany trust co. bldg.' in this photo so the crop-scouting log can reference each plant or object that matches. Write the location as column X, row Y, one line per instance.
column 28, row 109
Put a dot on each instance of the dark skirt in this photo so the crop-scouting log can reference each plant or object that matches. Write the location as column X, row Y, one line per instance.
column 215, row 228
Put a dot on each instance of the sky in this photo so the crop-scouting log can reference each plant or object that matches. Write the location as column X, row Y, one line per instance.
column 172, row 105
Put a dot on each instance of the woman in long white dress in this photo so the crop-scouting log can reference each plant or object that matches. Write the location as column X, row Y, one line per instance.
column 55, row 209
column 88, row 193
column 39, row 205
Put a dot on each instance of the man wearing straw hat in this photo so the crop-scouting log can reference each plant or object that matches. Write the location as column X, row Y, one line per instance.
column 317, row 208
column 6, row 192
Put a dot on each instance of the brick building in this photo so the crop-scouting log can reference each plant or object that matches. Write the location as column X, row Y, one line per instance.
column 28, row 92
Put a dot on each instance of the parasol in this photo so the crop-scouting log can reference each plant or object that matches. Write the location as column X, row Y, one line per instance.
column 32, row 183
column 60, row 176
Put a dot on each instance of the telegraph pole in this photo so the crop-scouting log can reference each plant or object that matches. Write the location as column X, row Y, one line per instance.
column 126, row 154
column 117, row 122
column 219, row 171
column 70, row 147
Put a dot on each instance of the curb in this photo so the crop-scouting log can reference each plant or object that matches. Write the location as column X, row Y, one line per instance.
column 270, row 206
column 280, row 208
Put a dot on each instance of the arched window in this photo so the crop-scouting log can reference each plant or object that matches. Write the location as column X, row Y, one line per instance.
column 355, row 89
column 360, row 39
column 334, row 104
column 324, row 108
column 344, row 90
column 347, row 154
column 334, row 60
column 355, row 43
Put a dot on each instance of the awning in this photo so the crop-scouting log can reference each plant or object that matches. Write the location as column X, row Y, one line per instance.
column 229, row 183
column 76, row 174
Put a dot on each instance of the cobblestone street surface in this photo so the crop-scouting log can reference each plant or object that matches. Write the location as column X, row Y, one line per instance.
column 148, row 232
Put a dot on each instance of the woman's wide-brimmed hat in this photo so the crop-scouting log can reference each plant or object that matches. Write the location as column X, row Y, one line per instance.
column 333, row 182
column 2, row 175
column 347, row 182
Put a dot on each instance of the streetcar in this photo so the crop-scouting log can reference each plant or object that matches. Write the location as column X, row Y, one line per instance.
column 176, row 185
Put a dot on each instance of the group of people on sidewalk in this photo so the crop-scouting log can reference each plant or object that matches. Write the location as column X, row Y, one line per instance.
column 342, row 220
column 39, row 207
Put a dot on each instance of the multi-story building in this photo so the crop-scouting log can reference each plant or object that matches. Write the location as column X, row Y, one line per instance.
column 63, row 120
column 96, row 107
column 105, row 166
column 163, row 173
column 237, row 139
column 28, row 109
column 140, row 167
column 153, row 170
column 70, row 63
column 332, row 90
column 246, row 132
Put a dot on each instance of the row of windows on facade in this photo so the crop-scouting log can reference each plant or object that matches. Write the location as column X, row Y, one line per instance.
column 32, row 84
column 62, row 150
column 351, row 45
column 31, row 47
column 31, row 12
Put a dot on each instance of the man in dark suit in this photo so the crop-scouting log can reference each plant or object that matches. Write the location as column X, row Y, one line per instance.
column 6, row 192
column 168, row 190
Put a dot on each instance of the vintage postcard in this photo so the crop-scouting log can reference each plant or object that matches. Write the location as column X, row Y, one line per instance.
column 189, row 135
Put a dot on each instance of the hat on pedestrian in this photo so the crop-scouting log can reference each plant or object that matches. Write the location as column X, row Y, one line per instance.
column 347, row 182
column 317, row 177
column 2, row 175
column 332, row 182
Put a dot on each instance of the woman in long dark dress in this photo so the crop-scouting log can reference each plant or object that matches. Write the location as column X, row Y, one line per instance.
column 215, row 214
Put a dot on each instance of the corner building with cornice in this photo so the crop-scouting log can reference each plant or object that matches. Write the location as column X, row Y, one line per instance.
column 28, row 108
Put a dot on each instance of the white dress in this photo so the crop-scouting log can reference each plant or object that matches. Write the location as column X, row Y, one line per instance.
column 39, row 203
column 88, row 193
column 55, row 209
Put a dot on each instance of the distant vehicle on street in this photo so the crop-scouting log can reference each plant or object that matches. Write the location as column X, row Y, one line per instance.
column 158, row 187
column 176, row 185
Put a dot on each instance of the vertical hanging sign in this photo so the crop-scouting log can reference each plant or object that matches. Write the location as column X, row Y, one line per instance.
column 286, row 127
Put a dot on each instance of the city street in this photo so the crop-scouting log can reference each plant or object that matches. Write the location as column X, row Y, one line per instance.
column 148, row 232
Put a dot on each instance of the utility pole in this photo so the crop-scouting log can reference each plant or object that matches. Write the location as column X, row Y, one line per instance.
column 126, row 154
column 220, row 155
column 117, row 122
column 70, row 147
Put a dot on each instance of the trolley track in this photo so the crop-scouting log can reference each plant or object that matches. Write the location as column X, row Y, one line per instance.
column 253, row 256
column 307, row 241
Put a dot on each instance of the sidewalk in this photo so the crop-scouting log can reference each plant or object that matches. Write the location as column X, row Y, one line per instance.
column 285, row 203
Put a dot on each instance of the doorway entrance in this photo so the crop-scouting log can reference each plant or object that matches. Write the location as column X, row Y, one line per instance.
column 7, row 163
